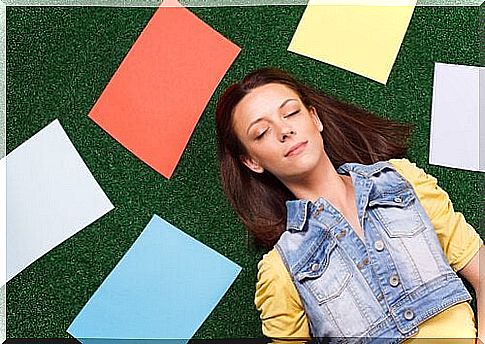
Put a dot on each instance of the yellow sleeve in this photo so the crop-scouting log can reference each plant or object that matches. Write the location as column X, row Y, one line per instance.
column 459, row 240
column 277, row 299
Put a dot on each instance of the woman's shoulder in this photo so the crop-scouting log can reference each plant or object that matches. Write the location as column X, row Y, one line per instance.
column 272, row 272
column 277, row 299
column 403, row 164
column 275, row 291
column 409, row 170
column 271, row 266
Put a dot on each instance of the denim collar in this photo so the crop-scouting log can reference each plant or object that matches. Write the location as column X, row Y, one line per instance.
column 364, row 170
column 297, row 210
column 296, row 214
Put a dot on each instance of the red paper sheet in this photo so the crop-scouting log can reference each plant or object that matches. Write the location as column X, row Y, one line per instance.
column 157, row 95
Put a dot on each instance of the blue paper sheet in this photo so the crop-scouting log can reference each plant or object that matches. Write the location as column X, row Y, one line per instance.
column 164, row 287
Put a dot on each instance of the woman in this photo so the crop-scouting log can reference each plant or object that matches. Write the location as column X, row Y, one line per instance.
column 365, row 245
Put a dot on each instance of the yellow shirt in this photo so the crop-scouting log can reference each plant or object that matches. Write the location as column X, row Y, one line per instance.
column 282, row 312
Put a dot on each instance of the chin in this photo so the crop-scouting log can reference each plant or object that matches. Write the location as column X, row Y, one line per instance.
column 304, row 166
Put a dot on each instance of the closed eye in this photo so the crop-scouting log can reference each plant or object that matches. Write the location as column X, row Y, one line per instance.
column 261, row 134
column 291, row 114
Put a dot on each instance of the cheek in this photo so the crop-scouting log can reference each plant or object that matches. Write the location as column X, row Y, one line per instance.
column 270, row 158
column 318, row 139
column 261, row 151
column 313, row 132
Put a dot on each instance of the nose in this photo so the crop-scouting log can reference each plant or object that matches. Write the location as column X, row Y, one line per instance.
column 286, row 132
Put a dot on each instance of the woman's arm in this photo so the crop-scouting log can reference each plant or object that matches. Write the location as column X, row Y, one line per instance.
column 282, row 315
column 472, row 274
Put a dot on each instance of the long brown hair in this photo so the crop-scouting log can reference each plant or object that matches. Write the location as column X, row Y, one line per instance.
column 349, row 134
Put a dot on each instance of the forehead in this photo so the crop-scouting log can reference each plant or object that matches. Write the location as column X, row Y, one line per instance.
column 261, row 101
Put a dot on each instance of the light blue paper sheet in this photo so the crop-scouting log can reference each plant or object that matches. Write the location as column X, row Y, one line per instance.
column 164, row 287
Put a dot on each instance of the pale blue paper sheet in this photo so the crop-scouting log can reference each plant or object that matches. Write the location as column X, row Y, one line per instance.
column 50, row 196
column 164, row 287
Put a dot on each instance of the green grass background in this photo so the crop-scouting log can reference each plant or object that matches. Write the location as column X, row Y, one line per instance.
column 59, row 59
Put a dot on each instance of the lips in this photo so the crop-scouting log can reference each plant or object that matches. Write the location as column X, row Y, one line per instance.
column 294, row 150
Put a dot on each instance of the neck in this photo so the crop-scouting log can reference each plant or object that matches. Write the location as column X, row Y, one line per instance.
column 323, row 181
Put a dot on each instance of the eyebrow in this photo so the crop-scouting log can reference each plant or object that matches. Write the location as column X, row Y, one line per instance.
column 261, row 118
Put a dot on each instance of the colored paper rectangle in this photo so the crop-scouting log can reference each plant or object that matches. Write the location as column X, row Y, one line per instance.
column 457, row 124
column 164, row 287
column 363, row 37
column 3, row 223
column 51, row 195
column 160, row 90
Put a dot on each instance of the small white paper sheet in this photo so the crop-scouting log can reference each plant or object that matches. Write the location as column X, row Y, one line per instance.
column 51, row 195
column 457, row 124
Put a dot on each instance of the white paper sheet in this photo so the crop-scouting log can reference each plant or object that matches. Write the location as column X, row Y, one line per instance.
column 455, row 118
column 51, row 195
column 3, row 223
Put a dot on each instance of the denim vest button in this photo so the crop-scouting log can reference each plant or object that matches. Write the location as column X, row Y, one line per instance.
column 394, row 280
column 315, row 267
column 341, row 234
column 408, row 314
column 379, row 245
column 397, row 199
column 318, row 210
column 363, row 263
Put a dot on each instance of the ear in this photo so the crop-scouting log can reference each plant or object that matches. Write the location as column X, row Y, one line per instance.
column 252, row 164
column 316, row 119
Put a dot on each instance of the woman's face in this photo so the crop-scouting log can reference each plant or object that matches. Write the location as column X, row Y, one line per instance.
column 279, row 133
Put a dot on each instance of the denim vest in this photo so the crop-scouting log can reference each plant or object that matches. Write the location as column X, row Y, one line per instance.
column 376, row 290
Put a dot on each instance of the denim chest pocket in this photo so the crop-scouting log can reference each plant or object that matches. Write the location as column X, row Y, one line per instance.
column 397, row 213
column 325, row 274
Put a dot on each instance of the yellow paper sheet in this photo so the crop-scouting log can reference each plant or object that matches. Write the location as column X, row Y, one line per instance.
column 363, row 37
